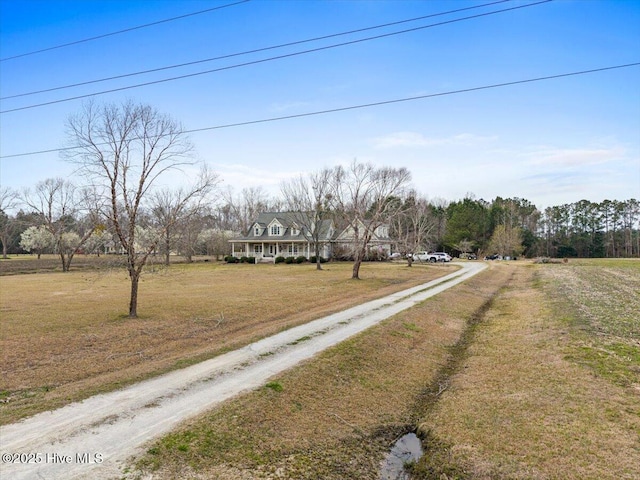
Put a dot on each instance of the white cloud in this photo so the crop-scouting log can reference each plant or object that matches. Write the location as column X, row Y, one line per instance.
column 283, row 107
column 241, row 176
column 415, row 139
column 574, row 157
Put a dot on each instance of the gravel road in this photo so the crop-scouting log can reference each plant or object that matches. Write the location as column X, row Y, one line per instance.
column 96, row 437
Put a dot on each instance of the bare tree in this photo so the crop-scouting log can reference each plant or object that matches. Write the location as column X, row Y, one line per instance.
column 124, row 150
column 177, row 220
column 506, row 241
column 364, row 200
column 308, row 203
column 414, row 227
column 59, row 204
column 8, row 225
column 245, row 208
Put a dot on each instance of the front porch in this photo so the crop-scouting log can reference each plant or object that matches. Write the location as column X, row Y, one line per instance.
column 268, row 250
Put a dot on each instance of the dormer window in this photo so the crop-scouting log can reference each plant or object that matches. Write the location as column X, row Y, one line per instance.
column 256, row 231
column 294, row 231
column 275, row 229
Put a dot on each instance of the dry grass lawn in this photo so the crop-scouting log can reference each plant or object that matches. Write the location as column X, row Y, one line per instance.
column 63, row 336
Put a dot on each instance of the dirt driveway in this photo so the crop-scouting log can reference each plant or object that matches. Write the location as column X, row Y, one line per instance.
column 96, row 437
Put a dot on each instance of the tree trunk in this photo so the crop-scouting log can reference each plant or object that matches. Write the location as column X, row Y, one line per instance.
column 356, row 269
column 64, row 263
column 67, row 262
column 167, row 246
column 318, row 266
column 359, row 256
column 133, row 301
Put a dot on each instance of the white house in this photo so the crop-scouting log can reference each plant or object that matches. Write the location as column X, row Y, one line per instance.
column 379, row 245
column 276, row 234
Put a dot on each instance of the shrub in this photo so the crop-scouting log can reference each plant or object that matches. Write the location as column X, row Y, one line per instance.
column 279, row 260
column 289, row 260
column 301, row 259
column 231, row 259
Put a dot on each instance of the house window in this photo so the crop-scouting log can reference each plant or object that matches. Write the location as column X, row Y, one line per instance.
column 257, row 231
column 294, row 231
column 293, row 249
column 275, row 229
column 257, row 249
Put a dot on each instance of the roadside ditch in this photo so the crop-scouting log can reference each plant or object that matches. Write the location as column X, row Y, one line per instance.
column 419, row 454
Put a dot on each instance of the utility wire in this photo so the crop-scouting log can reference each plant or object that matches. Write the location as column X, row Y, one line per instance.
column 279, row 57
column 263, row 49
column 365, row 105
column 122, row 31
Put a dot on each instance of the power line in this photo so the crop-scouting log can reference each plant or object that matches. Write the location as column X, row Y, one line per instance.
column 273, row 47
column 279, row 57
column 122, row 31
column 366, row 105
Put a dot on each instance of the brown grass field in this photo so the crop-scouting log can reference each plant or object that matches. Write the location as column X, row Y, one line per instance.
column 64, row 336
column 522, row 372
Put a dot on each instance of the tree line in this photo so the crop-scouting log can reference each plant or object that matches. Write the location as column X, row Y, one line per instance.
column 582, row 229
column 57, row 217
column 119, row 204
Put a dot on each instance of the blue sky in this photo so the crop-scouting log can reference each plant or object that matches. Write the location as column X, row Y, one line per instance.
column 551, row 142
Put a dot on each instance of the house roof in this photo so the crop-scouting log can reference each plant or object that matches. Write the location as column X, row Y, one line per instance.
column 287, row 220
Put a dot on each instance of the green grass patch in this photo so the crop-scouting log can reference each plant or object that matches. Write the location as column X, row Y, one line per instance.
column 300, row 340
column 617, row 362
column 411, row 326
column 275, row 386
column 599, row 300
column 437, row 462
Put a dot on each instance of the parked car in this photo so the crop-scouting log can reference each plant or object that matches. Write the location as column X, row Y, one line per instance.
column 442, row 256
column 431, row 257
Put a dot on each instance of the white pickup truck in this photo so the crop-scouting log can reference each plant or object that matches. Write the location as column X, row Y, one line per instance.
column 432, row 257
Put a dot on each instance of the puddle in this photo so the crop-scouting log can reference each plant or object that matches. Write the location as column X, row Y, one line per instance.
column 408, row 448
